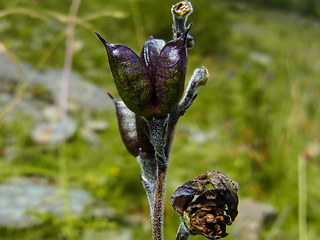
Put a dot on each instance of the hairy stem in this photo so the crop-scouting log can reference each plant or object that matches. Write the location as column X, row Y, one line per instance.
column 158, row 131
column 158, row 212
column 199, row 78
column 161, row 131
column 148, row 178
column 180, row 13
column 161, row 136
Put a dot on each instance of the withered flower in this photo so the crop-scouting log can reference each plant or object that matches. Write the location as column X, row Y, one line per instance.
column 207, row 211
column 152, row 84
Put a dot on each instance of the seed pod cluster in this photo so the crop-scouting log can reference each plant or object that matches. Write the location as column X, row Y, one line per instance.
column 150, row 85
column 205, row 211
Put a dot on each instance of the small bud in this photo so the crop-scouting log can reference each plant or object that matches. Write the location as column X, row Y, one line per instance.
column 205, row 211
column 180, row 12
column 182, row 8
column 200, row 76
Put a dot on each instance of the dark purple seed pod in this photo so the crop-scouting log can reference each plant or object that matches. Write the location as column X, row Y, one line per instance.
column 127, row 127
column 130, row 76
column 146, row 147
column 134, row 130
column 170, row 74
column 150, row 53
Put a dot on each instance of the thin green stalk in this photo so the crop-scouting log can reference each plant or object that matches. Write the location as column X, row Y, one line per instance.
column 64, row 178
column 302, row 189
column 278, row 223
column 68, row 58
column 136, row 17
column 64, row 191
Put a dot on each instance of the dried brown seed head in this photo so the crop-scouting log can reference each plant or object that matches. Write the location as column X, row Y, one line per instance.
column 182, row 8
column 207, row 212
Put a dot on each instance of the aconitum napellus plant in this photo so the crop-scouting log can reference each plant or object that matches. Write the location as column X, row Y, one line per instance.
column 151, row 86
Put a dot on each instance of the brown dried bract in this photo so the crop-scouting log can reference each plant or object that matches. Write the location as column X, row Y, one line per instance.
column 207, row 212
column 182, row 8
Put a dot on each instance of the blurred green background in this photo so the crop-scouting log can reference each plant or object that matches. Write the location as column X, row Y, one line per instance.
column 257, row 120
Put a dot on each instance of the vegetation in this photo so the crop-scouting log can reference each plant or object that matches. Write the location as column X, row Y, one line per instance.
column 258, row 116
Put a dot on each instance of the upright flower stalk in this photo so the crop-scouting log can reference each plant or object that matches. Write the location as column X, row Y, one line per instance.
column 151, row 87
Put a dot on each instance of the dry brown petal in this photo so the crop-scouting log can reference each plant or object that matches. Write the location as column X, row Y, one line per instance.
column 207, row 212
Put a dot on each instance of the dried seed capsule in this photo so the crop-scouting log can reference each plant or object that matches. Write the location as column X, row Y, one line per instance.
column 127, row 127
column 205, row 211
column 146, row 148
column 152, row 85
column 133, row 130
column 170, row 74
column 150, row 53
column 130, row 76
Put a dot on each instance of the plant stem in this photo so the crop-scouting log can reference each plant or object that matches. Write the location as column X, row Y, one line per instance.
column 158, row 131
column 302, row 189
column 148, row 178
column 161, row 131
column 161, row 136
column 158, row 212
column 65, row 78
column 180, row 12
column 199, row 78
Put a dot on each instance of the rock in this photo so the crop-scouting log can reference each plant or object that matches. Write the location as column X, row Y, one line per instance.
column 22, row 198
column 11, row 69
column 251, row 219
column 87, row 95
column 90, row 136
column 9, row 153
column 260, row 58
column 96, row 125
column 89, row 131
column 99, row 209
column 54, row 132
column 51, row 113
column 197, row 135
column 44, row 87
column 38, row 103
column 25, row 107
